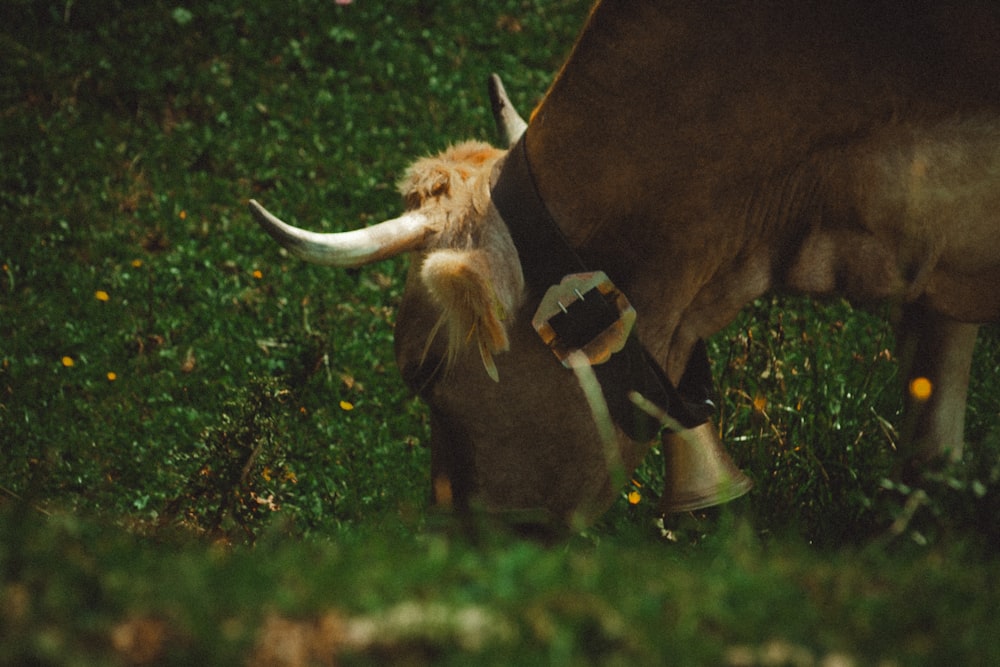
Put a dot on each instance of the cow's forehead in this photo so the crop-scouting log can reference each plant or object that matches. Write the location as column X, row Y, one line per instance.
column 454, row 182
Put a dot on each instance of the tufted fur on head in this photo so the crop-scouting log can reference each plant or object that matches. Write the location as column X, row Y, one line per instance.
column 453, row 180
column 471, row 269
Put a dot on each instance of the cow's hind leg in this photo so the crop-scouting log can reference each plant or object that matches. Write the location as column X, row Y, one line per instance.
column 936, row 357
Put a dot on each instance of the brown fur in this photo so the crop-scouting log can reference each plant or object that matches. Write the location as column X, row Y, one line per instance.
column 703, row 154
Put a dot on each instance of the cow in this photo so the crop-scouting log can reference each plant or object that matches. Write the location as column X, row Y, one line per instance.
column 689, row 157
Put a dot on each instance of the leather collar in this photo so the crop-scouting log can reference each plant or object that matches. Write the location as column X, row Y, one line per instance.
column 546, row 257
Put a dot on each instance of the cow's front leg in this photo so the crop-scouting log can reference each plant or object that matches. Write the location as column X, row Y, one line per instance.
column 452, row 468
column 936, row 356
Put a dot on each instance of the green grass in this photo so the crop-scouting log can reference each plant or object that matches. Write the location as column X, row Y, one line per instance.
column 85, row 594
column 206, row 445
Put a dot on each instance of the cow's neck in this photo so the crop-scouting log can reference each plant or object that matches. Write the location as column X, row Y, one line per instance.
column 592, row 309
column 609, row 174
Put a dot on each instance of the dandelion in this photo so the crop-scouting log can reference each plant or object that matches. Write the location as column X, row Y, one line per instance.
column 346, row 406
column 182, row 215
column 112, row 376
column 68, row 362
column 101, row 295
column 921, row 389
column 258, row 274
column 136, row 263
column 634, row 497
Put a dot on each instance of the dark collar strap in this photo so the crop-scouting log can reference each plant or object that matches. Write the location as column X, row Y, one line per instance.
column 545, row 254
column 546, row 257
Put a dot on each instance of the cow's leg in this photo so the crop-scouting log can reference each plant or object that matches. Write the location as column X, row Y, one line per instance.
column 938, row 349
column 452, row 476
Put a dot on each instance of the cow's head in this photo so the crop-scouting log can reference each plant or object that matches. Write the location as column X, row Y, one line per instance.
column 512, row 429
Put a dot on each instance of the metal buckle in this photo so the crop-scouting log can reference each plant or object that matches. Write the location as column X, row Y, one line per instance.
column 585, row 312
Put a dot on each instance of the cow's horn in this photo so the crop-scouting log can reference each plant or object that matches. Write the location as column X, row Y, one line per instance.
column 509, row 123
column 347, row 249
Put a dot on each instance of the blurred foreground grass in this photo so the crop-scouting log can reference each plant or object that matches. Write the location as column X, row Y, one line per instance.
column 79, row 592
column 206, row 448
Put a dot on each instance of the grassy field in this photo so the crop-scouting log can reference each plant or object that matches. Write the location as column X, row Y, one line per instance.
column 208, row 456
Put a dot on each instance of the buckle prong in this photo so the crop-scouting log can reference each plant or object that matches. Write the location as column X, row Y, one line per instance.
column 567, row 320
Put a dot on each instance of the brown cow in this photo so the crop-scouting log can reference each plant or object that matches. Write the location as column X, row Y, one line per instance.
column 700, row 154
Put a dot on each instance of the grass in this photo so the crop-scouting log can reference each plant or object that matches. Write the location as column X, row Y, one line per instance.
column 93, row 595
column 207, row 453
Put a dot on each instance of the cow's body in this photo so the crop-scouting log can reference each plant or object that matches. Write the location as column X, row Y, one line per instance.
column 702, row 155
column 848, row 147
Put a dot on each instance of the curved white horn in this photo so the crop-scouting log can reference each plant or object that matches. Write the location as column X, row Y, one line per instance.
column 347, row 249
column 509, row 123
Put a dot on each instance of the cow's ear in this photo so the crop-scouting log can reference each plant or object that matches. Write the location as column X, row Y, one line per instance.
column 461, row 282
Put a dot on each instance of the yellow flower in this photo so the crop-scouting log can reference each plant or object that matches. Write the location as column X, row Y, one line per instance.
column 182, row 215
column 101, row 295
column 136, row 263
column 346, row 406
column 68, row 362
column 112, row 376
column 258, row 274
column 921, row 389
column 634, row 497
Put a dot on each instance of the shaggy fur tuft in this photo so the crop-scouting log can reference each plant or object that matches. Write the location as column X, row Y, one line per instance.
column 470, row 269
column 454, row 175
column 460, row 283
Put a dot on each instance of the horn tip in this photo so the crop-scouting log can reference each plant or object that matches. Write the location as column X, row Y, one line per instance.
column 509, row 123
